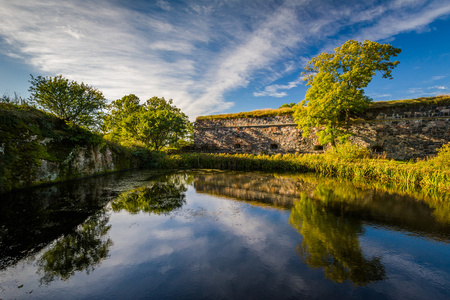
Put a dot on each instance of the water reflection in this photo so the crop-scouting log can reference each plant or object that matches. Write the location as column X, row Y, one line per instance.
column 159, row 197
column 82, row 250
column 417, row 213
column 319, row 232
column 261, row 188
column 330, row 215
column 31, row 219
column 331, row 242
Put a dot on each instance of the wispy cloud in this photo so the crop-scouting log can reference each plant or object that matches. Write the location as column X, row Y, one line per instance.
column 377, row 96
column 279, row 90
column 438, row 87
column 194, row 51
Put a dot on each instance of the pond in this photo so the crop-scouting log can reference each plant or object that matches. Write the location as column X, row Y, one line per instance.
column 208, row 234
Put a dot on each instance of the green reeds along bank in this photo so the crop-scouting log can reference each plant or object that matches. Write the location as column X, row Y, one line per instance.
column 432, row 173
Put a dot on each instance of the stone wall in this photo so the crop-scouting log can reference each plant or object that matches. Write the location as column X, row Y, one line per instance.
column 402, row 132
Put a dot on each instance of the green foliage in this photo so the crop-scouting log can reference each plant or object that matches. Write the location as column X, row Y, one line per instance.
column 157, row 123
column 414, row 175
column 289, row 105
column 348, row 152
column 337, row 83
column 443, row 156
column 118, row 111
column 29, row 136
column 16, row 99
column 157, row 198
column 75, row 103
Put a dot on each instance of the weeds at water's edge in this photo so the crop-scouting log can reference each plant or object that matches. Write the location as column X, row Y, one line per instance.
column 432, row 174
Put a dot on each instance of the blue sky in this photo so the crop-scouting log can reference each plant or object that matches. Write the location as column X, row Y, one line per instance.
column 217, row 56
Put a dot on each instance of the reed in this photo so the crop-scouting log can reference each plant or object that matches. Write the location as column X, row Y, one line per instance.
column 432, row 173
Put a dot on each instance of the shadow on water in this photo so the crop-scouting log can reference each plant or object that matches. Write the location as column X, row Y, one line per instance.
column 31, row 219
column 73, row 214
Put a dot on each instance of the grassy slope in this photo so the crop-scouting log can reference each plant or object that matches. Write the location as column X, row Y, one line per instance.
column 28, row 136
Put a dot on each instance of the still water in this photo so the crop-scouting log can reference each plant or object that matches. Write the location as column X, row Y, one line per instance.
column 222, row 235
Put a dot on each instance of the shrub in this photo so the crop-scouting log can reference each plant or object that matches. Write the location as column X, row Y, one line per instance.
column 348, row 152
column 443, row 155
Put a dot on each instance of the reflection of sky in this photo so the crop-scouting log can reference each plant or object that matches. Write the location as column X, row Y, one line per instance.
column 220, row 248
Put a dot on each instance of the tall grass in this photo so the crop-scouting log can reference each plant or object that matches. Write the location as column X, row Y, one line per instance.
column 345, row 162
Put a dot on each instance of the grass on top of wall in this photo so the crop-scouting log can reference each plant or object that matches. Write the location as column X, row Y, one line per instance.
column 429, row 174
column 250, row 114
column 423, row 101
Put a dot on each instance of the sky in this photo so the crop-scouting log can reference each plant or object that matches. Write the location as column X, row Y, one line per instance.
column 217, row 56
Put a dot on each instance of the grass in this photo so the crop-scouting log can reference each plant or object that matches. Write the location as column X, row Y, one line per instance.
column 432, row 175
column 423, row 101
column 29, row 136
column 250, row 114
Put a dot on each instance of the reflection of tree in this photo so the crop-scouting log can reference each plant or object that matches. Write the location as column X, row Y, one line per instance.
column 81, row 250
column 157, row 198
column 331, row 242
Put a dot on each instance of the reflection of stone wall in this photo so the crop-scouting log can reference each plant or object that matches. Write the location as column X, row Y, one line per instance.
column 385, row 208
column 276, row 191
column 402, row 132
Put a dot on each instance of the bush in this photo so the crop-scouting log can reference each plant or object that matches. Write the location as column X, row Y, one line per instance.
column 348, row 152
column 443, row 156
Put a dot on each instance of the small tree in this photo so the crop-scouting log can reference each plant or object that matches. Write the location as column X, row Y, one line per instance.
column 75, row 103
column 337, row 83
column 156, row 123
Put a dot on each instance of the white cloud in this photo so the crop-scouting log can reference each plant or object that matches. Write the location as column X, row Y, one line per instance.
column 434, row 78
column 378, row 96
column 415, row 91
column 197, row 52
column 438, row 87
column 404, row 16
column 164, row 5
column 278, row 90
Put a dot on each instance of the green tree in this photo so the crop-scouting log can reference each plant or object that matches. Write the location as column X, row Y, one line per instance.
column 119, row 110
column 337, row 83
column 156, row 123
column 78, row 104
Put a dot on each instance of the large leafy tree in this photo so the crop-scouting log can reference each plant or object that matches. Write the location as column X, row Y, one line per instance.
column 75, row 103
column 337, row 83
column 119, row 110
column 156, row 123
